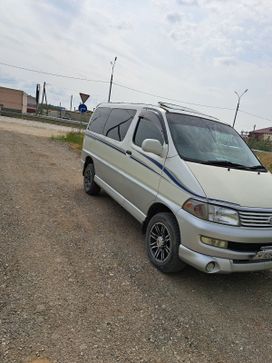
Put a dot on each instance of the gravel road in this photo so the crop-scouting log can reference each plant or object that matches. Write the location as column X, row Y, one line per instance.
column 76, row 285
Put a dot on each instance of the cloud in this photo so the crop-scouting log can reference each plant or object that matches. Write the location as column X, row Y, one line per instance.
column 191, row 50
column 173, row 18
column 225, row 61
column 123, row 26
column 187, row 2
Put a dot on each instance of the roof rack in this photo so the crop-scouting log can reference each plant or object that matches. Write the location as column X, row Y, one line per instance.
column 172, row 106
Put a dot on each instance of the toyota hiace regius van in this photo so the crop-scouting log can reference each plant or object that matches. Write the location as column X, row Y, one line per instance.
column 202, row 196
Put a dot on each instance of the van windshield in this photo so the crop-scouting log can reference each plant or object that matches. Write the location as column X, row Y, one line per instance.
column 209, row 142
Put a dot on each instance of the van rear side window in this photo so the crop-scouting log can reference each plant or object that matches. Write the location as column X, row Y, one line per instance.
column 118, row 123
column 99, row 119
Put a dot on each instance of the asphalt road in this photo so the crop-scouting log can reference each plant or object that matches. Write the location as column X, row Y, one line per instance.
column 76, row 285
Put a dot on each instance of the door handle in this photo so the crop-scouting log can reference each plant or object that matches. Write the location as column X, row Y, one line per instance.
column 128, row 152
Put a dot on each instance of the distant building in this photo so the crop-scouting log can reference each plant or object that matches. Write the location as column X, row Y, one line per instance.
column 13, row 100
column 262, row 134
column 31, row 104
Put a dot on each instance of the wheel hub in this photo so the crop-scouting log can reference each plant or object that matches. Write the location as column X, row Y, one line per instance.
column 160, row 241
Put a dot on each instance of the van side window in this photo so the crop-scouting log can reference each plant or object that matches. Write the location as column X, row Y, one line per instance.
column 98, row 119
column 118, row 123
column 149, row 127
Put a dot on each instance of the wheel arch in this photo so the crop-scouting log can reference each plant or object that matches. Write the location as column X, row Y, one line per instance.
column 155, row 209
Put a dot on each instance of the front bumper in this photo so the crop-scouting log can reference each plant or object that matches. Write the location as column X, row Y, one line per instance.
column 221, row 265
column 198, row 254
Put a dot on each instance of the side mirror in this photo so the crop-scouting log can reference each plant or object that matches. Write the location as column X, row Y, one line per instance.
column 152, row 146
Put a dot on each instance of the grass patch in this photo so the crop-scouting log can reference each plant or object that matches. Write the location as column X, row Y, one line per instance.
column 74, row 139
column 262, row 145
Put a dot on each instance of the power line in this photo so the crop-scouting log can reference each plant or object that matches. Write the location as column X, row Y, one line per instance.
column 129, row 88
column 171, row 99
column 53, row 74
column 115, row 83
column 252, row 114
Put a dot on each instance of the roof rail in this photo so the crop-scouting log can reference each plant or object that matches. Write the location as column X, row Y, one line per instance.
column 173, row 106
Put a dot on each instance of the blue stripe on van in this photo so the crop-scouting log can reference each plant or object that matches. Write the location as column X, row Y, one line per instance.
column 107, row 143
column 142, row 163
column 157, row 163
column 169, row 174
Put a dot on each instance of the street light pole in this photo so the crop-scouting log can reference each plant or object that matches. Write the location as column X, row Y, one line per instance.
column 111, row 78
column 238, row 104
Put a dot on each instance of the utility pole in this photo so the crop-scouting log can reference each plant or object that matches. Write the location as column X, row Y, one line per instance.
column 44, row 98
column 111, row 78
column 37, row 97
column 71, row 103
column 238, row 104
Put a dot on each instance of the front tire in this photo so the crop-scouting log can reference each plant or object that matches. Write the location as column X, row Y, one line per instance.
column 162, row 243
column 89, row 184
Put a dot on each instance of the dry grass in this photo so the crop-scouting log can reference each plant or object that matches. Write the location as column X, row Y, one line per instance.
column 266, row 159
column 74, row 139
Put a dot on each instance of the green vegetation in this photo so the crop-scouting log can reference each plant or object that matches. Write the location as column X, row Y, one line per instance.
column 74, row 139
column 265, row 145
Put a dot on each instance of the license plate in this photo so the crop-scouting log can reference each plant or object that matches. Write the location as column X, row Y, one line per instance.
column 264, row 254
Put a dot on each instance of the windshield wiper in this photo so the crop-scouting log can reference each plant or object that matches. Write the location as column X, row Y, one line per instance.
column 257, row 168
column 229, row 164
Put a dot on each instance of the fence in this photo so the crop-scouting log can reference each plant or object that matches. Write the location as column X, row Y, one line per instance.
column 44, row 118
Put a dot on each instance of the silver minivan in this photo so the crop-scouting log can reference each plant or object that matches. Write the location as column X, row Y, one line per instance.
column 202, row 196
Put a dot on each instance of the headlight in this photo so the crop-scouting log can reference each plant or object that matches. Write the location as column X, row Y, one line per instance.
column 223, row 215
column 211, row 212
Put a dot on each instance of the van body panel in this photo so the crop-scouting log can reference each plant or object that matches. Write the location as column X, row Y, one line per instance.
column 179, row 174
column 109, row 161
column 245, row 188
column 121, row 200
column 143, row 178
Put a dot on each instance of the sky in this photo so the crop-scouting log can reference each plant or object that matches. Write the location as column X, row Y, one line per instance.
column 196, row 52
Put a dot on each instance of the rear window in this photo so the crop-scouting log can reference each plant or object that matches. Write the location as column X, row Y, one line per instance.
column 118, row 123
column 98, row 119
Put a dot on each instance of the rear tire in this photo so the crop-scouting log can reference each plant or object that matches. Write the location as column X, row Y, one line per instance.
column 162, row 243
column 89, row 184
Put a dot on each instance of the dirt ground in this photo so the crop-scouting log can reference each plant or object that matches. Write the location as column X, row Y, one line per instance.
column 34, row 128
column 76, row 285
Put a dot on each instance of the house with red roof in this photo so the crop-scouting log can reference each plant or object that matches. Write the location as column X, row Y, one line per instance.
column 262, row 134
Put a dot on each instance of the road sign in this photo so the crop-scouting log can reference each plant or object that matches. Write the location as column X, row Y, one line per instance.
column 82, row 108
column 84, row 97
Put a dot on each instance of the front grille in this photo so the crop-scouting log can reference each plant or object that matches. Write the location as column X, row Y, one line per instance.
column 244, row 262
column 247, row 247
column 256, row 219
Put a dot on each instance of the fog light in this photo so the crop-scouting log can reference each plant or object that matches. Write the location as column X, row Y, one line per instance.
column 210, row 267
column 214, row 242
